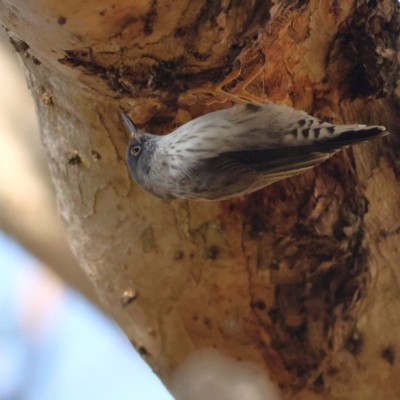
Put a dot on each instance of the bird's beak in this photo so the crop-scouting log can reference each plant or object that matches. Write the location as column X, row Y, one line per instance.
column 130, row 125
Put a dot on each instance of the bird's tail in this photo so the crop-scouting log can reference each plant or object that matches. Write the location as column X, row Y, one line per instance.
column 347, row 135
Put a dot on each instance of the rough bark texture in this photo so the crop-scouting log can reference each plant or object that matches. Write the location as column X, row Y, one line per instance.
column 301, row 277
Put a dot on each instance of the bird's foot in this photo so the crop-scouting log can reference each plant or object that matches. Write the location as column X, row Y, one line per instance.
column 238, row 95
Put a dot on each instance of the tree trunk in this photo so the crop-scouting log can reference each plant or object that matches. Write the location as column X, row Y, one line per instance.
column 28, row 208
column 301, row 277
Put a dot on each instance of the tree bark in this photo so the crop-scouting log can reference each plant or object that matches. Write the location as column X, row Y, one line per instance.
column 28, row 210
column 301, row 277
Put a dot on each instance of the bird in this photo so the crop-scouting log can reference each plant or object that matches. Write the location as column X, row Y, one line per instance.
column 235, row 151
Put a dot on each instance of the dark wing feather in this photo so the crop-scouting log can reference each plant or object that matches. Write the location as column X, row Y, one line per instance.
column 269, row 160
column 235, row 173
column 216, row 177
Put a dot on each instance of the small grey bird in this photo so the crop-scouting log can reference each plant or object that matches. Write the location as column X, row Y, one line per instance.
column 236, row 151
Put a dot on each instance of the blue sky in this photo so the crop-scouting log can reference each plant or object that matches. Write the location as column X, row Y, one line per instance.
column 76, row 353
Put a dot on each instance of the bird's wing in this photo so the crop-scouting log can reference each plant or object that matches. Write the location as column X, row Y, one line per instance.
column 213, row 178
column 238, row 173
column 274, row 163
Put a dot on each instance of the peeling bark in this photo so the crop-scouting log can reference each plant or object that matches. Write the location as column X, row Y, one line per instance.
column 300, row 277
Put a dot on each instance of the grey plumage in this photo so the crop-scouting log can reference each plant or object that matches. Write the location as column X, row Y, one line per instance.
column 236, row 151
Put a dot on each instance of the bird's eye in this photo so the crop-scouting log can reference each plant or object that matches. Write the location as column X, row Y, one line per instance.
column 135, row 150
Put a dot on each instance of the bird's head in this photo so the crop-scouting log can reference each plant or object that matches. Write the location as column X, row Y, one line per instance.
column 139, row 152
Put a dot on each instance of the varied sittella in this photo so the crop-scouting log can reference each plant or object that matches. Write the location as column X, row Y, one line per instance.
column 236, row 151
